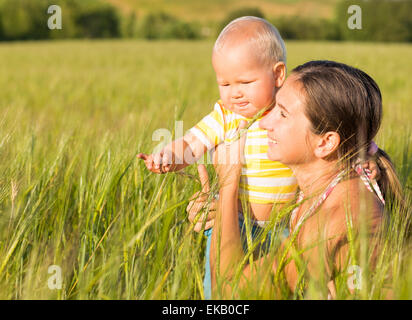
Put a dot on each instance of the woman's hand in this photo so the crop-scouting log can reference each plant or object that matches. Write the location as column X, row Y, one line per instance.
column 199, row 201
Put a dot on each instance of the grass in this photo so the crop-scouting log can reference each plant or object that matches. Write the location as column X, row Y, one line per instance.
column 73, row 116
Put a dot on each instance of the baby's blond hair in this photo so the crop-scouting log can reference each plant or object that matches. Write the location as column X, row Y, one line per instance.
column 265, row 38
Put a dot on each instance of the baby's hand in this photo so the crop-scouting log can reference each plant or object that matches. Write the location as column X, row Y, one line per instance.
column 157, row 163
column 372, row 169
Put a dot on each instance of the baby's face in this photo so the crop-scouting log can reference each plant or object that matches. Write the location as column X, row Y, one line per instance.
column 246, row 85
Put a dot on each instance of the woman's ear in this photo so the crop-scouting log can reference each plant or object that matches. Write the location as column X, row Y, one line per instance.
column 279, row 70
column 327, row 144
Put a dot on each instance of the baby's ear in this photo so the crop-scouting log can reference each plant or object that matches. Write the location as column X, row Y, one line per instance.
column 279, row 69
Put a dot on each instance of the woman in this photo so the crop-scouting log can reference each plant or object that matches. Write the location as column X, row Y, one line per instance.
column 323, row 123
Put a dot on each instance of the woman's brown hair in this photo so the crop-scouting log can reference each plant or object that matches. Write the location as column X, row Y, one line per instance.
column 348, row 101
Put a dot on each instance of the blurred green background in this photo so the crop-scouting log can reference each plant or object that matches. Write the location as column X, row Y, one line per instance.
column 382, row 20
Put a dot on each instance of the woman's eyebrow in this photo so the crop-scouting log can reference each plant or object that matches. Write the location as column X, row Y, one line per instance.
column 282, row 107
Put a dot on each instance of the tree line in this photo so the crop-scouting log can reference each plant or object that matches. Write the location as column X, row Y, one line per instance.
column 381, row 20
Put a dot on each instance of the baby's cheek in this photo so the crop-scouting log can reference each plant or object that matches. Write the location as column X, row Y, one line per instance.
column 226, row 99
column 228, row 105
column 255, row 94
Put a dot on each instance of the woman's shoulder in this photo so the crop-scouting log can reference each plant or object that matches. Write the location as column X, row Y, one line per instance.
column 351, row 198
column 353, row 191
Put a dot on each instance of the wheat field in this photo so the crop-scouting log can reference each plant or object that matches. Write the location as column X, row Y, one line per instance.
column 74, row 114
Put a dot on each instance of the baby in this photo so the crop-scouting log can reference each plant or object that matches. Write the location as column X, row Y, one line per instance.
column 249, row 60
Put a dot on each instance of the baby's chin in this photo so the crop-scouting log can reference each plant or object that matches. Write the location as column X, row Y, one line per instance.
column 273, row 154
column 248, row 112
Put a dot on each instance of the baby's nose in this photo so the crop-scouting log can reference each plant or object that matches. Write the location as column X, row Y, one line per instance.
column 236, row 93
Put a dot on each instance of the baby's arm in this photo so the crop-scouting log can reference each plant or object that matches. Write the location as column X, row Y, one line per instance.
column 176, row 155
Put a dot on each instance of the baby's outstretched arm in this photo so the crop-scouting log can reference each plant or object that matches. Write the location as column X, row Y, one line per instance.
column 176, row 155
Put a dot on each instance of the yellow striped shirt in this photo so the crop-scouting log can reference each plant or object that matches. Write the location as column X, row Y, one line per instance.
column 262, row 180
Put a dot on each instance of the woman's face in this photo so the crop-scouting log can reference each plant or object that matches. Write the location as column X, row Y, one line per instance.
column 290, row 139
